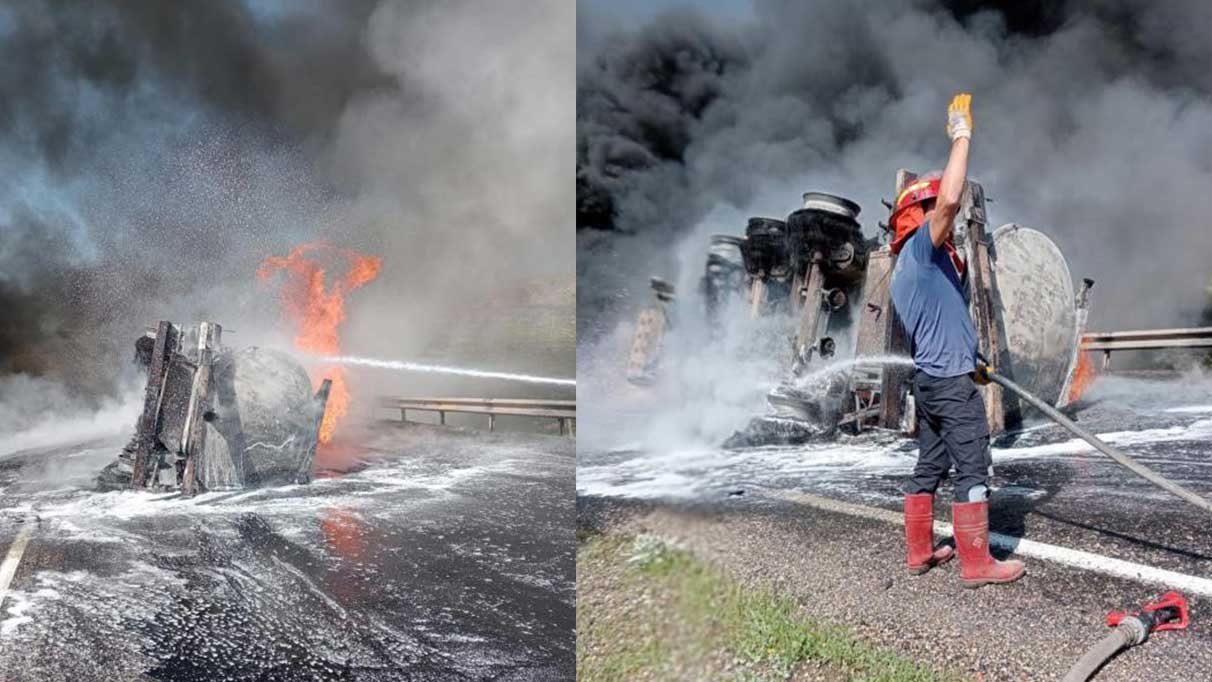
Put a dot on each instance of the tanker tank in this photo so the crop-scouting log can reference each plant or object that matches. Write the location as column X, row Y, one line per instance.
column 215, row 418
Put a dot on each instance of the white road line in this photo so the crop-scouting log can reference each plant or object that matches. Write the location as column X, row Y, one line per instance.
column 1076, row 558
column 9, row 568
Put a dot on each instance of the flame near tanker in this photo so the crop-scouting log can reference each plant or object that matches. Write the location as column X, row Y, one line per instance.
column 316, row 310
column 1083, row 375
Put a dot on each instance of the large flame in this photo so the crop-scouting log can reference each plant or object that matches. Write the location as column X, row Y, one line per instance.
column 1083, row 375
column 317, row 310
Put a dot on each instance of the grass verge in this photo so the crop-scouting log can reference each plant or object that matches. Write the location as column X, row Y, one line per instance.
column 646, row 611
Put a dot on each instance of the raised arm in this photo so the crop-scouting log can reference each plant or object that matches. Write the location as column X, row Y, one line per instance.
column 951, row 187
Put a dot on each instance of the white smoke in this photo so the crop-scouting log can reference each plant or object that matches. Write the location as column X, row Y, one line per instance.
column 707, row 387
column 38, row 413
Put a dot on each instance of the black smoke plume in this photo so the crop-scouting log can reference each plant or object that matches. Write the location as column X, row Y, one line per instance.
column 1093, row 123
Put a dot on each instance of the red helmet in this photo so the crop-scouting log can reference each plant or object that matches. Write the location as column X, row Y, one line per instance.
column 907, row 216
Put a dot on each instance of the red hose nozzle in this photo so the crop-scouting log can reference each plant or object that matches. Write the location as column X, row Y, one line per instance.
column 1169, row 612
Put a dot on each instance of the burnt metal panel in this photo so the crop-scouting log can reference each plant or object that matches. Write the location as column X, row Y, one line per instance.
column 165, row 345
column 984, row 296
column 174, row 403
column 811, row 313
column 1081, row 310
column 209, row 335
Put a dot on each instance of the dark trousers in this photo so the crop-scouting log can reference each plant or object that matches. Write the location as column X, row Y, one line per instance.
column 951, row 432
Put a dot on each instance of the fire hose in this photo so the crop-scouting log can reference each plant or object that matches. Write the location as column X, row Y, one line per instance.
column 1169, row 612
column 1119, row 457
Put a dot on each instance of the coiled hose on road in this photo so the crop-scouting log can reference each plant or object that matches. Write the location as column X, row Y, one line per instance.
column 1122, row 459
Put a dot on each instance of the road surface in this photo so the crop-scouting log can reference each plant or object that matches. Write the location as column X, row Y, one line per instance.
column 421, row 553
column 738, row 507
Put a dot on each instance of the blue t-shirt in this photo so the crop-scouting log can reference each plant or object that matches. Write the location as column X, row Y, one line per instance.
column 932, row 306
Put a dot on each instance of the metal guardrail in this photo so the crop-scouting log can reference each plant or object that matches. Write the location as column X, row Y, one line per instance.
column 565, row 411
column 1147, row 339
column 1193, row 337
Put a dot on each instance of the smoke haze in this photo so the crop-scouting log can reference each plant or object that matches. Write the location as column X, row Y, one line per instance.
column 156, row 153
column 1093, row 124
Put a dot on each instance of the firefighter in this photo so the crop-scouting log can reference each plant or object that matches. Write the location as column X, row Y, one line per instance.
column 930, row 296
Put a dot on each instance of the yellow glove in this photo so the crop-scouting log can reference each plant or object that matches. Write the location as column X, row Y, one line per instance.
column 981, row 375
column 959, row 116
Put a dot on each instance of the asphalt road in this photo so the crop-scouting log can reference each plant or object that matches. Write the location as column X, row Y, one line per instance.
column 1048, row 488
column 1048, row 485
column 420, row 553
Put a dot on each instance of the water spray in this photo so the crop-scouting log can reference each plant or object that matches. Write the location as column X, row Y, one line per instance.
column 441, row 369
column 819, row 375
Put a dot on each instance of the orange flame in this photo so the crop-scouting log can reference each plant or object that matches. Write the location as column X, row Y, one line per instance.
column 317, row 311
column 1083, row 375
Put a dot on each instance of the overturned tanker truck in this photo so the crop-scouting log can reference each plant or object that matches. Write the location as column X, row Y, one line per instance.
column 831, row 286
column 216, row 418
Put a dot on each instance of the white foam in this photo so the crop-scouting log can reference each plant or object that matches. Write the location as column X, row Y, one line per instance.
column 1200, row 430
column 114, row 419
column 98, row 515
column 681, row 474
column 1191, row 409
column 23, row 605
column 688, row 473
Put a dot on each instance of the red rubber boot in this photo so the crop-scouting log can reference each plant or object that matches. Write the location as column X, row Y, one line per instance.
column 919, row 535
column 977, row 566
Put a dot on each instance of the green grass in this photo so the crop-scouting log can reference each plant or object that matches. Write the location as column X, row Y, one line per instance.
column 673, row 616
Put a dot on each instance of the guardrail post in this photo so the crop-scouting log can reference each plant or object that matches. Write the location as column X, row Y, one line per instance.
column 404, row 415
column 1106, row 360
column 441, row 417
column 492, row 422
